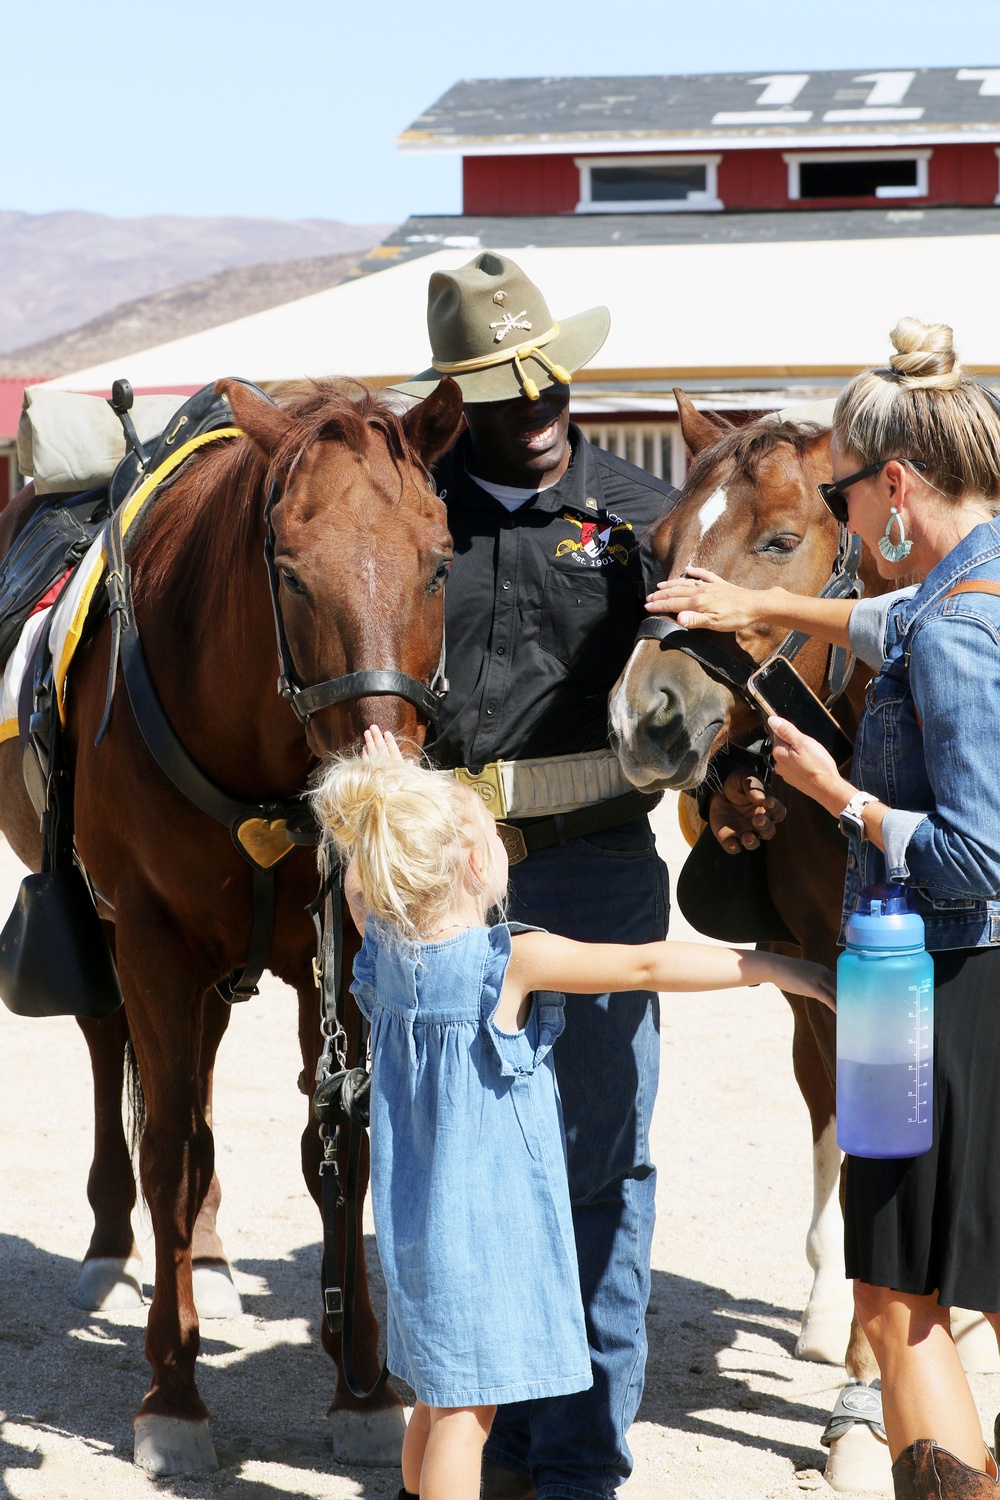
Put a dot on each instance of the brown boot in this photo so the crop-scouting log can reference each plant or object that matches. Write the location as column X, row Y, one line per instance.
column 927, row 1472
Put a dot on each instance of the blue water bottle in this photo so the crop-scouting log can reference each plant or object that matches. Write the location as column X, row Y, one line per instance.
column 885, row 1029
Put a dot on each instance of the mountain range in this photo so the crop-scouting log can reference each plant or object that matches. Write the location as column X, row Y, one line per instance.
column 59, row 271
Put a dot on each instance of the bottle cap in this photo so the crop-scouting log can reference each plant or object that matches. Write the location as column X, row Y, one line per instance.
column 882, row 919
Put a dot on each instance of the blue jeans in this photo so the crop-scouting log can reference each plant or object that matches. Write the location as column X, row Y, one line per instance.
column 607, row 887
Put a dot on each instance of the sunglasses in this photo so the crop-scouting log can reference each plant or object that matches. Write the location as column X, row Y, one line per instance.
column 833, row 496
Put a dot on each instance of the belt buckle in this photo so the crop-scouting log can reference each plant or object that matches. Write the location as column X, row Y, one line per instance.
column 488, row 785
column 513, row 841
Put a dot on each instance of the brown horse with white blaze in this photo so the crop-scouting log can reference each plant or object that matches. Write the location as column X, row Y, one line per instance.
column 750, row 511
column 361, row 551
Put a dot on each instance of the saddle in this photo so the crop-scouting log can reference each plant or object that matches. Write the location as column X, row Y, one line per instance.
column 54, row 957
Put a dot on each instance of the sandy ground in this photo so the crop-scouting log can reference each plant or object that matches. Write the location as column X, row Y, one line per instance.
column 728, row 1412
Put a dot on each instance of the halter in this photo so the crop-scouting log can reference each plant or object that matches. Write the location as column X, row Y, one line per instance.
column 306, row 701
column 729, row 664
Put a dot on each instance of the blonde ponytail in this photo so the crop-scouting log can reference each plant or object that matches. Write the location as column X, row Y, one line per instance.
column 410, row 831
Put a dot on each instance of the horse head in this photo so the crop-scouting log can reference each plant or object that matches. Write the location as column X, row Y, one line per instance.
column 360, row 547
column 749, row 511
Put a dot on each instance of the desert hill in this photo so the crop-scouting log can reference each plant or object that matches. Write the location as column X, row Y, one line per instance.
column 61, row 270
column 179, row 311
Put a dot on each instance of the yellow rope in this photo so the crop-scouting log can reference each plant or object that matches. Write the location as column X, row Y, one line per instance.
column 532, row 350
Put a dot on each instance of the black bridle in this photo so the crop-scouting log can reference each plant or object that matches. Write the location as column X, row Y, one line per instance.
column 728, row 663
column 306, row 701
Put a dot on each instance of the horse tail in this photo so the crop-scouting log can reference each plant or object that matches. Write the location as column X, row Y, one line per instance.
column 135, row 1101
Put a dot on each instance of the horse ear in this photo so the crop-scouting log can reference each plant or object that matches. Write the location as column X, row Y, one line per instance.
column 433, row 424
column 263, row 422
column 700, row 430
column 818, row 452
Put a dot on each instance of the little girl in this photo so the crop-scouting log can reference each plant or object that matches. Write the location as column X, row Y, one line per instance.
column 468, row 1172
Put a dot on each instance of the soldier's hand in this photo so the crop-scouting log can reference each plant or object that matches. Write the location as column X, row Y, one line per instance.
column 743, row 812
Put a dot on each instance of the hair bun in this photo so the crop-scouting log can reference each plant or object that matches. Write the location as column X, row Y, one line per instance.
column 926, row 357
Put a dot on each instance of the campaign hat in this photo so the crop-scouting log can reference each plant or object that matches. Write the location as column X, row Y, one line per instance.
column 491, row 330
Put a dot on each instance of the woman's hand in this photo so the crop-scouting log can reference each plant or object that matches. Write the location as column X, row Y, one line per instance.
column 804, row 764
column 815, row 981
column 703, row 601
column 743, row 812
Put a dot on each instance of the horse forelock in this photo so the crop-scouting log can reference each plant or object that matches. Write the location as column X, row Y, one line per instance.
column 201, row 538
column 740, row 453
column 328, row 412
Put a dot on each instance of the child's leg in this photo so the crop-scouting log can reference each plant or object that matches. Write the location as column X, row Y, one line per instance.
column 454, row 1454
column 414, row 1442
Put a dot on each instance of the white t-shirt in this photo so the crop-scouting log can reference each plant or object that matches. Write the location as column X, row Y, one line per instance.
column 510, row 496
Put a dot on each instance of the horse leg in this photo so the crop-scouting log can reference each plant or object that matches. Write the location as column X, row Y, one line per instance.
column 111, row 1274
column 369, row 1433
column 215, row 1296
column 827, row 1317
column 164, row 1000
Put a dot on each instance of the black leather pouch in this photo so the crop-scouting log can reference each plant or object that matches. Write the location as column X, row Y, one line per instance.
column 54, row 957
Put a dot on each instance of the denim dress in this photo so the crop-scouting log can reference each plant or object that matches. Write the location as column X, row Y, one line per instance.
column 468, row 1175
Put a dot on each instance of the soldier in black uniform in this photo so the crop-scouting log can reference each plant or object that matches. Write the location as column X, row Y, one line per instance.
column 542, row 605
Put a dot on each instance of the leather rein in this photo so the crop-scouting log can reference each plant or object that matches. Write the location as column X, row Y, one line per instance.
column 730, row 664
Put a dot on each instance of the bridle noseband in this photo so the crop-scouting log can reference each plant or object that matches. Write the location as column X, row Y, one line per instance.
column 371, row 683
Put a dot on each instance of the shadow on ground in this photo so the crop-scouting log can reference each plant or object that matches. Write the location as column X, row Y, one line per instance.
column 269, row 1403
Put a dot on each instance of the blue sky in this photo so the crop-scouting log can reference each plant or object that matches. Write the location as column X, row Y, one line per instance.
column 290, row 108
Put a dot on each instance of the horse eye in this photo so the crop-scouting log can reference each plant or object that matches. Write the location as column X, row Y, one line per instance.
column 437, row 578
column 291, row 583
column 783, row 544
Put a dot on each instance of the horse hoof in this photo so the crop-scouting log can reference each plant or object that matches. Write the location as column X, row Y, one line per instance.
column 374, row 1440
column 109, row 1283
column 215, row 1296
column 975, row 1341
column 171, row 1445
column 859, row 1463
column 823, row 1336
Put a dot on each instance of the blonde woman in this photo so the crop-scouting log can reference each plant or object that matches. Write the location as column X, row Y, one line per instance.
column 468, row 1171
column 916, row 466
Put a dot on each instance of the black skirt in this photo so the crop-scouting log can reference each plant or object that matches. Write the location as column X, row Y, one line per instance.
column 932, row 1223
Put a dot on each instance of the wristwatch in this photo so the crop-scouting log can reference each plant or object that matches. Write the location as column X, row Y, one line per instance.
column 851, row 825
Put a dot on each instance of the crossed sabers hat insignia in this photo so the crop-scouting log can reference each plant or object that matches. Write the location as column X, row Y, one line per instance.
column 510, row 321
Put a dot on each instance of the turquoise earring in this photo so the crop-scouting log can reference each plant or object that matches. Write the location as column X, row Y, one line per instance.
column 890, row 550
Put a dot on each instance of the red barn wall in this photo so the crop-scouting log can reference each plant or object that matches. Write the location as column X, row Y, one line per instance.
column 748, row 180
column 520, row 185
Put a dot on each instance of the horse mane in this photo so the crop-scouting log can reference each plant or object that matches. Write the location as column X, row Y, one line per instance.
column 745, row 448
column 201, row 537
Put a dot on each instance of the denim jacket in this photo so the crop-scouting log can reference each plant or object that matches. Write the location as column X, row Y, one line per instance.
column 928, row 745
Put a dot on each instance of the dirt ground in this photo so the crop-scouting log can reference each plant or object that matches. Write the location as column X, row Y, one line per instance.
column 728, row 1412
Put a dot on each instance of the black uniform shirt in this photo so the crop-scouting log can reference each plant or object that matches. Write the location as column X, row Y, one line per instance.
column 542, row 605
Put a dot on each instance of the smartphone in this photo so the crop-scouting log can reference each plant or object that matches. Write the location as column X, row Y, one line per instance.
column 777, row 688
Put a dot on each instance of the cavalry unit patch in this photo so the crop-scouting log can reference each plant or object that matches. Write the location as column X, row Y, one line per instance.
column 607, row 540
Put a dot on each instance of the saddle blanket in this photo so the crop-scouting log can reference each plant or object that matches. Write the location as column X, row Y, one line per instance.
column 72, row 608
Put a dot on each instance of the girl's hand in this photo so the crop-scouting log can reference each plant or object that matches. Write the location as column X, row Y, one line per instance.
column 703, row 601
column 377, row 743
column 815, row 981
column 804, row 764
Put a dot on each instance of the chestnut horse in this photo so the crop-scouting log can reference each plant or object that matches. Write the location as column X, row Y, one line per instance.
column 361, row 550
column 750, row 511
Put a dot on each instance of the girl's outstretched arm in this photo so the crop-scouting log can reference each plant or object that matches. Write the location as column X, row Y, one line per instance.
column 541, row 961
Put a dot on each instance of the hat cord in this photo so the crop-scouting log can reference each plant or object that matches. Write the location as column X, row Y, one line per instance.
column 514, row 356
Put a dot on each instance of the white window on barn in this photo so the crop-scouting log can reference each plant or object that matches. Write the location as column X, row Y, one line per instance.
column 647, row 184
column 657, row 447
column 857, row 174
